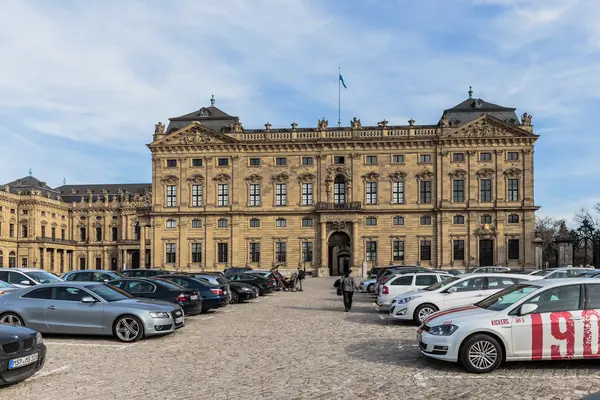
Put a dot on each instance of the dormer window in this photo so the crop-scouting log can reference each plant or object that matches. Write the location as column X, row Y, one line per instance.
column 204, row 113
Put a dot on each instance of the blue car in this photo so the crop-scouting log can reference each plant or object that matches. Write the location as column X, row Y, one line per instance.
column 213, row 296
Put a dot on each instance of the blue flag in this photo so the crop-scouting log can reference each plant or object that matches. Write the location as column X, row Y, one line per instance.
column 342, row 80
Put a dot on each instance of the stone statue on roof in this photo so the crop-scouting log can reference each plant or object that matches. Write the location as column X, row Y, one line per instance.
column 159, row 129
column 355, row 123
column 322, row 124
column 444, row 121
column 526, row 119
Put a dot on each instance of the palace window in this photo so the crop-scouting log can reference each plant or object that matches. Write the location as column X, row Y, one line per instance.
column 172, row 163
column 254, row 252
column 255, row 223
column 398, row 220
column 98, row 234
column 307, row 251
column 485, row 156
column 82, row 233
column 63, row 234
column 398, row 159
column 254, row 195
column 171, row 196
column 196, row 224
column 513, row 219
column 425, row 191
column 424, row 158
column 459, row 250
column 196, row 162
column 280, row 194
column 371, row 160
column 371, row 193
column 43, row 231
column 280, row 252
column 339, row 159
column 371, row 250
column 255, row 162
column 425, row 220
column 24, row 231
column 223, row 194
column 197, row 194
column 459, row 220
column 513, row 190
column 486, row 219
column 371, row 221
column 425, row 250
column 53, row 231
column 485, row 190
column 398, row 192
column 171, row 223
column 458, row 157
column 512, row 156
column 398, row 250
column 223, row 223
column 25, row 212
column 281, row 161
column 307, row 161
column 280, row 222
column 115, row 233
column 170, row 253
column 307, row 222
column 223, row 162
column 11, row 230
column 513, row 249
column 196, row 252
column 222, row 252
column 339, row 190
column 43, row 213
column 12, row 260
column 307, row 194
column 458, row 190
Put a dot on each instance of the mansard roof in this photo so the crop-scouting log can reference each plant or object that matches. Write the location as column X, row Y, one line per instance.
column 73, row 193
column 27, row 184
column 471, row 109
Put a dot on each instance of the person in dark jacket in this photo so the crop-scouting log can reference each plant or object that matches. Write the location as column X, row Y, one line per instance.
column 348, row 285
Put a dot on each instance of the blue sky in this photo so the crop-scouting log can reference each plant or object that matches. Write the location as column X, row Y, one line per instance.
column 83, row 83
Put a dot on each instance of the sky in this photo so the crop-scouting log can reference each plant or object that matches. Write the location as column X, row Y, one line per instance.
column 83, row 83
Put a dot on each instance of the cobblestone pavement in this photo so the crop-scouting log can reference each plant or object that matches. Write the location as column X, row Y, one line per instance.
column 287, row 346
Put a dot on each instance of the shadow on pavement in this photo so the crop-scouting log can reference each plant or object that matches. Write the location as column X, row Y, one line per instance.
column 336, row 308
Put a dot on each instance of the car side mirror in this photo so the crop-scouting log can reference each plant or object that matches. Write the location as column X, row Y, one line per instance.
column 106, row 280
column 452, row 290
column 88, row 300
column 528, row 308
column 24, row 282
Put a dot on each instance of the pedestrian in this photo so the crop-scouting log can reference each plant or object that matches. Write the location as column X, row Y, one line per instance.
column 348, row 285
column 301, row 276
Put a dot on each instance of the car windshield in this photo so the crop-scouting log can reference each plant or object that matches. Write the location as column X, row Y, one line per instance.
column 43, row 277
column 169, row 285
column 441, row 284
column 507, row 297
column 542, row 272
column 109, row 293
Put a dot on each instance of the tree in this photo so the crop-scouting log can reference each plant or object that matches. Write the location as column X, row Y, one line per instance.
column 547, row 229
column 592, row 216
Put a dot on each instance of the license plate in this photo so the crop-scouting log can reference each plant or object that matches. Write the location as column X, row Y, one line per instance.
column 193, row 297
column 23, row 361
column 179, row 320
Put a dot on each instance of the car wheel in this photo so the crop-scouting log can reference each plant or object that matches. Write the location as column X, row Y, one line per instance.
column 234, row 298
column 371, row 288
column 424, row 311
column 11, row 319
column 128, row 329
column 481, row 354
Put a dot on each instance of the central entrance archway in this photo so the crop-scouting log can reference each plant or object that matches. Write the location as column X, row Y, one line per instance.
column 339, row 253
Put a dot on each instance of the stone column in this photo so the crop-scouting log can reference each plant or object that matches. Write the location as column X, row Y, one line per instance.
column 142, row 245
column 538, row 249
column 355, row 263
column 323, row 270
column 124, row 259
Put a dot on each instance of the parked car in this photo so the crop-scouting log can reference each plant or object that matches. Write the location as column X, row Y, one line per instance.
column 274, row 277
column 236, row 270
column 588, row 274
column 89, row 309
column 454, row 272
column 408, row 282
column 213, row 296
column 143, row 272
column 456, row 291
column 558, row 273
column 263, row 285
column 26, row 277
column 220, row 282
column 159, row 289
column 7, row 288
column 368, row 285
column 487, row 270
column 391, row 272
column 534, row 320
column 241, row 292
column 91, row 275
column 22, row 354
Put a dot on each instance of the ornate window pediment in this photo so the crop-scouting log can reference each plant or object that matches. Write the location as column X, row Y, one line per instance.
column 458, row 173
column 254, row 178
column 338, row 170
column 486, row 173
column 397, row 176
column 513, row 172
column 196, row 179
column 306, row 178
column 426, row 174
column 222, row 178
column 486, row 231
column 371, row 176
column 282, row 177
column 169, row 180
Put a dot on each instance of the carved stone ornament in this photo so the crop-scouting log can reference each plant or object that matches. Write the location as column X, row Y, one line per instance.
column 322, row 124
column 355, row 123
column 444, row 121
column 382, row 124
column 196, row 179
column 237, row 127
column 194, row 136
column 371, row 176
column 332, row 172
column 471, row 152
column 458, row 173
column 306, row 178
column 355, row 156
column 7, row 188
column 168, row 180
column 294, row 125
column 280, row 178
column 527, row 151
column 486, row 173
column 222, row 178
column 486, row 231
column 482, row 128
column 397, row 176
column 499, row 152
column 526, row 119
column 159, row 129
column 254, row 178
column 426, row 174
column 338, row 226
column 513, row 172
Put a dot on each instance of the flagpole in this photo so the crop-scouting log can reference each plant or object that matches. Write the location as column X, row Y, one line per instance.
column 339, row 97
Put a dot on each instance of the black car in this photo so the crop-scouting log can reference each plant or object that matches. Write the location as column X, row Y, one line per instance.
column 241, row 292
column 236, row 270
column 264, row 285
column 212, row 295
column 143, row 272
column 22, row 353
column 160, row 289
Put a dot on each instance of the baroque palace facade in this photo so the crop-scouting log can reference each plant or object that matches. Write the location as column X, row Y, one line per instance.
column 456, row 194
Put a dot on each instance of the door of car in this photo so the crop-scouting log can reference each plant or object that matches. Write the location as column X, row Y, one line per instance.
column 140, row 288
column 424, row 280
column 19, row 280
column 466, row 292
column 554, row 330
column 66, row 313
column 33, row 307
column 399, row 284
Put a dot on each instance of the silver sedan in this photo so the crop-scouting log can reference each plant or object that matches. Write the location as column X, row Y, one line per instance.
column 89, row 309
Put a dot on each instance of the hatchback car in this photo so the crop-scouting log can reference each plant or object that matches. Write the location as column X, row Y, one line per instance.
column 408, row 282
column 91, row 275
column 26, row 277
column 22, row 354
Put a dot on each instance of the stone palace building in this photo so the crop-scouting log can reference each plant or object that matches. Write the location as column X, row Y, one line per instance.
column 456, row 194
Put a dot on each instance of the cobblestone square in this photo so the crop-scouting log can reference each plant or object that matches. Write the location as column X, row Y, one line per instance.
column 286, row 346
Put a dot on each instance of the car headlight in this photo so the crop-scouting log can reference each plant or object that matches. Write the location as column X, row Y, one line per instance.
column 405, row 300
column 160, row 315
column 443, row 330
column 38, row 338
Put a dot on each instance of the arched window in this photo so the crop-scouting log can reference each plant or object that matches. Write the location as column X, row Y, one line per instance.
column 281, row 223
column 196, row 223
column 171, row 223
column 339, row 190
column 398, row 220
column 459, row 220
column 371, row 221
column 307, row 222
column 513, row 219
column 223, row 223
column 486, row 219
column 255, row 223
column 12, row 260
column 425, row 220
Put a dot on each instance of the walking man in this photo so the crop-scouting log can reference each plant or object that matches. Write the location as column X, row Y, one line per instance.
column 301, row 276
column 348, row 285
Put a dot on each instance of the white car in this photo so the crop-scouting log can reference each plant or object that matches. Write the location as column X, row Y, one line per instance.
column 27, row 277
column 554, row 319
column 490, row 269
column 453, row 292
column 400, row 284
column 559, row 273
column 368, row 285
